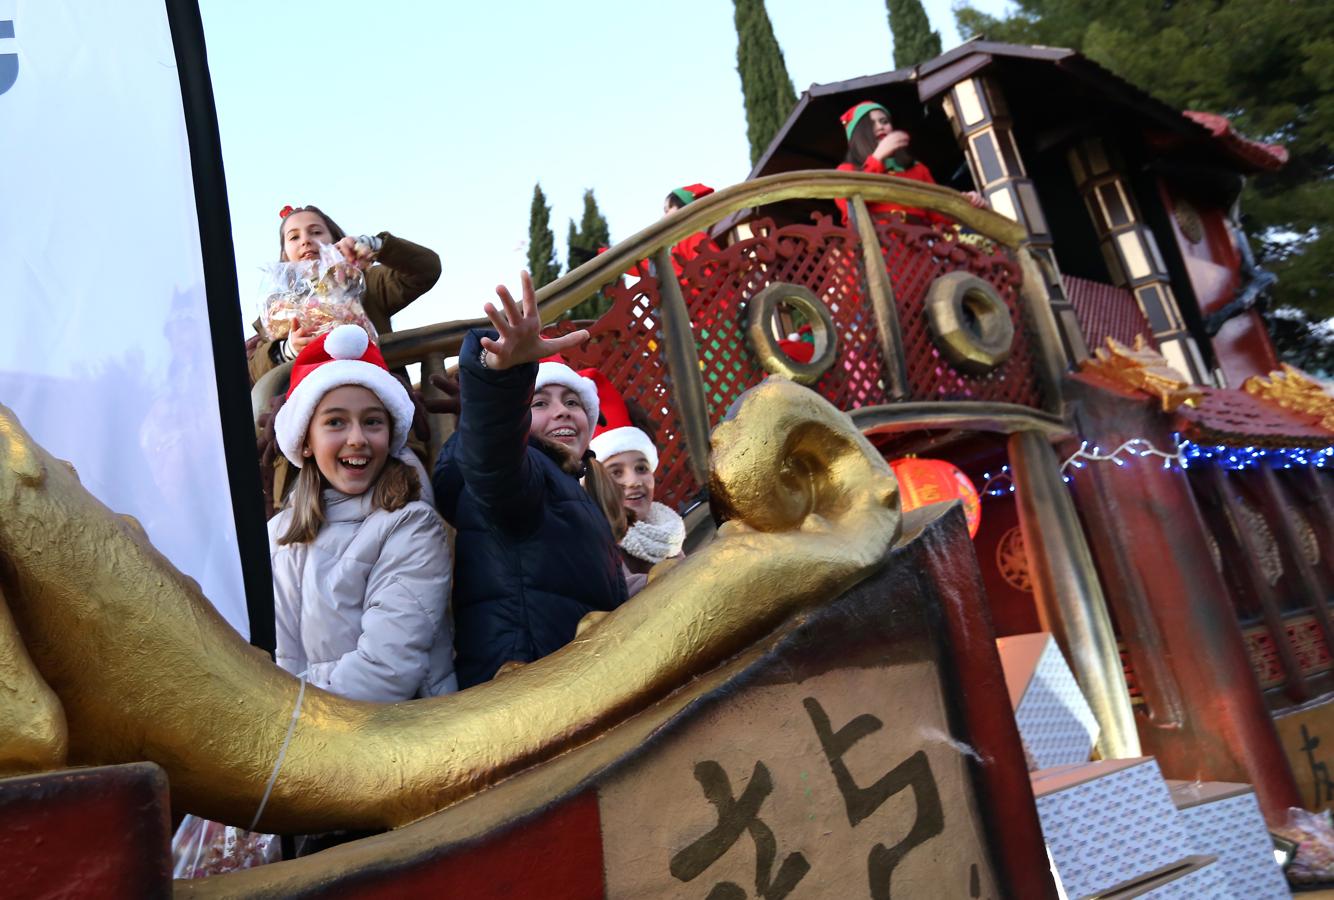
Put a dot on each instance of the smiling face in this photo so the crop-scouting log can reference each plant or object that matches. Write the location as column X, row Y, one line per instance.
column 632, row 472
column 349, row 437
column 303, row 232
column 559, row 416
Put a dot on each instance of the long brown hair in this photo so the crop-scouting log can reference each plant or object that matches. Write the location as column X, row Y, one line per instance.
column 609, row 497
column 397, row 486
column 863, row 143
column 336, row 234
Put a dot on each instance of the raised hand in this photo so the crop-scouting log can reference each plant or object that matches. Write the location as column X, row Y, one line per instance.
column 976, row 200
column 448, row 403
column 890, row 144
column 520, row 330
column 359, row 255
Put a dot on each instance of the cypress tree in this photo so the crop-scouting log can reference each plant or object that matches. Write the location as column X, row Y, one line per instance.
column 765, row 85
column 542, row 262
column 914, row 41
column 583, row 244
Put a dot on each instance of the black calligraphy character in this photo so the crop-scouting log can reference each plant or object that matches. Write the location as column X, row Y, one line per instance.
column 1324, row 787
column 736, row 815
column 860, row 802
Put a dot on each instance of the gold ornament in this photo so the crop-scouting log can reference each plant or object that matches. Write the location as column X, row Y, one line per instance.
column 1294, row 390
column 145, row 669
column 1143, row 369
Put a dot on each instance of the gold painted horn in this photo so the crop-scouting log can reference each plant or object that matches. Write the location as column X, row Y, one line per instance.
column 144, row 668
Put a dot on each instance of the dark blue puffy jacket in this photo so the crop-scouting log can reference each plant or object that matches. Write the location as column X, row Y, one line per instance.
column 534, row 553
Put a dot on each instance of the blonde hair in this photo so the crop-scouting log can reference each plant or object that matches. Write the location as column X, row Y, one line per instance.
column 397, row 486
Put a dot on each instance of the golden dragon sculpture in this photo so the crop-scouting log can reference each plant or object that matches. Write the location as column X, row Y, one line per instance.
column 109, row 655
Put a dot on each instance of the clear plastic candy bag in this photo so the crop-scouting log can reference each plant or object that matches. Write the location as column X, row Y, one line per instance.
column 1313, row 833
column 314, row 294
column 201, row 848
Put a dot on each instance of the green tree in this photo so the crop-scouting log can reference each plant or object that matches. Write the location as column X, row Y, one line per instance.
column 582, row 245
column 542, row 262
column 1268, row 66
column 765, row 85
column 914, row 41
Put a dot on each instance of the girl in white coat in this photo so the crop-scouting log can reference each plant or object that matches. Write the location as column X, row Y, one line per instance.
column 655, row 531
column 361, row 567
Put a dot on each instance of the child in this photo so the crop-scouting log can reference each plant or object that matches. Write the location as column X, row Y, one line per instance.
column 874, row 146
column 690, row 246
column 535, row 551
column 655, row 532
column 404, row 272
column 361, row 567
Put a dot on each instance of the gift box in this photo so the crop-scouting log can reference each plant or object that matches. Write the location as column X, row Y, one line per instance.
column 1055, row 722
column 1224, row 819
column 1109, row 825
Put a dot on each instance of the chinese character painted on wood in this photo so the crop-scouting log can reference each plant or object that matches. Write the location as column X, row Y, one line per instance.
column 861, row 802
column 735, row 815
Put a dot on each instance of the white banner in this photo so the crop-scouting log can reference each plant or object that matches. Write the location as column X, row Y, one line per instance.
column 105, row 348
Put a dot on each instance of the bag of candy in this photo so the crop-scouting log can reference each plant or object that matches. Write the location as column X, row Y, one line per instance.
column 1313, row 833
column 202, row 847
column 314, row 295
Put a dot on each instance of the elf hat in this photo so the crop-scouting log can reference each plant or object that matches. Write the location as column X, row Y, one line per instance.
column 553, row 370
column 617, row 435
column 691, row 192
column 854, row 115
column 342, row 356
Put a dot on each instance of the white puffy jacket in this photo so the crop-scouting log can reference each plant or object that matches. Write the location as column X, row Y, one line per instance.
column 363, row 609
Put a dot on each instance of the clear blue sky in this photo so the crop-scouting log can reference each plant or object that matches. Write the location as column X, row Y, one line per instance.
column 434, row 120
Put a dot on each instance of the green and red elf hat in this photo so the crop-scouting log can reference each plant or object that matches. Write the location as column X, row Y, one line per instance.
column 691, row 192
column 854, row 115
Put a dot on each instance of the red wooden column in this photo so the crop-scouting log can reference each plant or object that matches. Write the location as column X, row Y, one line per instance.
column 1205, row 715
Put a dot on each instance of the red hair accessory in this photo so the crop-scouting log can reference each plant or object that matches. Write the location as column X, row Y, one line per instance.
column 285, row 212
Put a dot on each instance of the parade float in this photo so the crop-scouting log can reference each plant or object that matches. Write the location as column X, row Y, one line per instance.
column 1101, row 673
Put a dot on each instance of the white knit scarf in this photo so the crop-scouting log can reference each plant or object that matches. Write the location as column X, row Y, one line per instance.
column 656, row 538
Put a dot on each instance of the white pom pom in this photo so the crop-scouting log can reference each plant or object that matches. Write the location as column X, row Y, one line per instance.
column 346, row 342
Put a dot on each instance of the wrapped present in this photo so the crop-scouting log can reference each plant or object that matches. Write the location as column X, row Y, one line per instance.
column 1109, row 824
column 1224, row 819
column 1055, row 722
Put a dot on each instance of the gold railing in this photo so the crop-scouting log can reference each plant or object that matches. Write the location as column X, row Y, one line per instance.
column 429, row 345
column 415, row 344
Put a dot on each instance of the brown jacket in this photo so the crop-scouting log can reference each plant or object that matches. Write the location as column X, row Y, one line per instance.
column 405, row 272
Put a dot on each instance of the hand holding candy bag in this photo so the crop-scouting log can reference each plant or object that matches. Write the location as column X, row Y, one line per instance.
column 313, row 295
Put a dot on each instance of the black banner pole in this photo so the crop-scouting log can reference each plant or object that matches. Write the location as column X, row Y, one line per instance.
column 224, row 304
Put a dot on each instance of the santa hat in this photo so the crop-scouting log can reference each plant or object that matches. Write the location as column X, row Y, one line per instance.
column 854, row 115
column 342, row 356
column 553, row 370
column 616, row 434
column 691, row 192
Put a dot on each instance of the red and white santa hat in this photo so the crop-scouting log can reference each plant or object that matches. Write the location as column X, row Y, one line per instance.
column 553, row 370
column 616, row 434
column 343, row 356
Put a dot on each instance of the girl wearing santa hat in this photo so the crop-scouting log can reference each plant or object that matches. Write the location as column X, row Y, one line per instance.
column 654, row 531
column 535, row 550
column 361, row 566
column 875, row 146
column 403, row 272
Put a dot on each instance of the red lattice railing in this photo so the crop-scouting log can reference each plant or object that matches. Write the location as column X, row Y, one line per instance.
column 718, row 285
column 916, row 256
column 1104, row 311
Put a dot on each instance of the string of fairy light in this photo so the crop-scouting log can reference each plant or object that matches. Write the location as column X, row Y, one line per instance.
column 1183, row 453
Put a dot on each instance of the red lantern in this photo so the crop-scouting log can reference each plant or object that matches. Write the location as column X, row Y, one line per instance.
column 926, row 481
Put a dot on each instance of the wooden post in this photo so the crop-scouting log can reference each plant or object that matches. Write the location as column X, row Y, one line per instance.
column 1069, row 596
column 1249, row 564
column 882, row 303
column 683, row 363
column 1288, row 537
